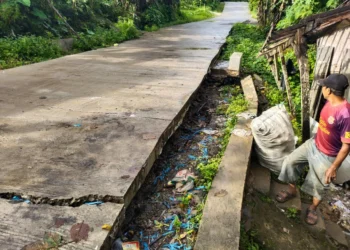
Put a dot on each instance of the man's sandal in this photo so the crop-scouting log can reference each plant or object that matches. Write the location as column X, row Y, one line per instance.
column 284, row 196
column 311, row 217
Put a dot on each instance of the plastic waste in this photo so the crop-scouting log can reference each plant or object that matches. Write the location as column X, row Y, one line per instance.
column 93, row 203
column 183, row 181
column 107, row 227
column 133, row 245
column 117, row 245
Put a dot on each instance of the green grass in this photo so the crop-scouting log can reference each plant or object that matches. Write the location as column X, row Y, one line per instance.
column 196, row 15
column 185, row 16
column 237, row 104
column 31, row 49
column 248, row 240
column 220, row 7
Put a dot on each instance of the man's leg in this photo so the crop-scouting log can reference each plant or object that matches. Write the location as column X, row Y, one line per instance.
column 311, row 214
column 314, row 183
column 291, row 170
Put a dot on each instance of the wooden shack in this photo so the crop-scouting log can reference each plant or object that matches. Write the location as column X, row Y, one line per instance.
column 331, row 32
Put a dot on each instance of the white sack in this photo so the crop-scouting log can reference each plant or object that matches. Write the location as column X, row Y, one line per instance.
column 274, row 137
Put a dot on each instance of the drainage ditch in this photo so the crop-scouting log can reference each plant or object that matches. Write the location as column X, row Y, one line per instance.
column 167, row 209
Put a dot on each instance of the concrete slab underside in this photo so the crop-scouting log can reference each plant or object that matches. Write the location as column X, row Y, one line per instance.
column 90, row 126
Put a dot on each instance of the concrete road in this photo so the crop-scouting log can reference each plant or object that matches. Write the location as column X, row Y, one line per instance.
column 90, row 125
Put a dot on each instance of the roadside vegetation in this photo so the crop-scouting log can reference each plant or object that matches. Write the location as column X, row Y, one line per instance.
column 29, row 29
column 236, row 104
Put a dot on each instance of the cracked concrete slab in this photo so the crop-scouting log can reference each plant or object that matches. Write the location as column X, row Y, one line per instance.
column 26, row 225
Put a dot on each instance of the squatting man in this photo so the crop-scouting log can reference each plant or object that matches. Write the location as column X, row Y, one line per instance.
column 325, row 153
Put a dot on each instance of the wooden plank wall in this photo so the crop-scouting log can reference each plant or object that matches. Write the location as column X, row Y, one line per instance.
column 336, row 46
column 340, row 40
column 323, row 59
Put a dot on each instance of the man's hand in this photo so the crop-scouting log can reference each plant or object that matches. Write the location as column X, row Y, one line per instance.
column 331, row 174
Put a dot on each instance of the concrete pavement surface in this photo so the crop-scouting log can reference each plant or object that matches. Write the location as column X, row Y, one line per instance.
column 89, row 126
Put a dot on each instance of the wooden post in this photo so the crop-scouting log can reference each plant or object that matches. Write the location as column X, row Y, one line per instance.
column 275, row 62
column 274, row 71
column 286, row 81
column 300, row 49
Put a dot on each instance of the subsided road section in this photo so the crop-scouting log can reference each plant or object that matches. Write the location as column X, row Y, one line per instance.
column 90, row 126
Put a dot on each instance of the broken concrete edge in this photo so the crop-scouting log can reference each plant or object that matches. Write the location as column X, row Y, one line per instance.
column 18, row 219
column 234, row 64
column 224, row 68
column 221, row 221
column 114, row 233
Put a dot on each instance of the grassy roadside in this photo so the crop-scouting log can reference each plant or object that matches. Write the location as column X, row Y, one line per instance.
column 25, row 50
column 188, row 16
column 236, row 104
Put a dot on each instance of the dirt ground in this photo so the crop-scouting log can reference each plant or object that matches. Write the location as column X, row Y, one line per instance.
column 268, row 227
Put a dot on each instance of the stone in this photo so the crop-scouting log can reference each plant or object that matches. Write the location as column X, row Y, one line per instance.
column 235, row 63
column 261, row 178
column 335, row 232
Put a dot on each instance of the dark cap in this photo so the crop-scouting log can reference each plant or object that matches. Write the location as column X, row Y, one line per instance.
column 338, row 82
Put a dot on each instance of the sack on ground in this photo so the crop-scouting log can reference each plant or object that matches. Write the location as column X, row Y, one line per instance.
column 273, row 137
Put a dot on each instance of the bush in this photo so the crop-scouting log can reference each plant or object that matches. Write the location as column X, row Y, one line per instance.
column 198, row 14
column 159, row 14
column 124, row 30
column 26, row 50
column 248, row 39
column 303, row 8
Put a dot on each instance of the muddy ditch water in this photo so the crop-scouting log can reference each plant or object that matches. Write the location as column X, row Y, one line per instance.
column 164, row 214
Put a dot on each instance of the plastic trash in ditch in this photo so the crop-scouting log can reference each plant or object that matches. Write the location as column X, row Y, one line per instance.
column 183, row 181
column 133, row 245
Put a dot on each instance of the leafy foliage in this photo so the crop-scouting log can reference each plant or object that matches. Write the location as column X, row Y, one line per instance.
column 248, row 39
column 292, row 213
column 253, row 7
column 192, row 4
column 24, row 50
column 38, row 17
column 124, row 30
column 159, row 13
column 303, row 8
column 248, row 240
column 236, row 104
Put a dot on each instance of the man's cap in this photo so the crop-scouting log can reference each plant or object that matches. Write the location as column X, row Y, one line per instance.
column 338, row 82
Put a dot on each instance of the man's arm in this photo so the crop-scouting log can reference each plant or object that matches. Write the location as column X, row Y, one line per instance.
column 331, row 173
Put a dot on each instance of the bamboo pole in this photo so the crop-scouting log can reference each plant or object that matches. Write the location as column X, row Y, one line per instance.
column 286, row 81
